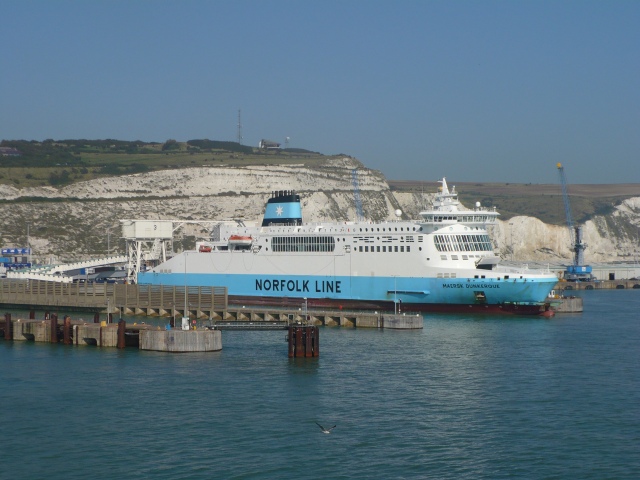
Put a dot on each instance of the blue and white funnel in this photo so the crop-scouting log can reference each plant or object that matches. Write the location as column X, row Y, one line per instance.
column 283, row 208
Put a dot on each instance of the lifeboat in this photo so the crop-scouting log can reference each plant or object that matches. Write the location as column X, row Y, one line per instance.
column 204, row 248
column 240, row 240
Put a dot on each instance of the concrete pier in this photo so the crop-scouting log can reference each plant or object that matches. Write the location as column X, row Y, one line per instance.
column 181, row 341
column 567, row 305
column 402, row 322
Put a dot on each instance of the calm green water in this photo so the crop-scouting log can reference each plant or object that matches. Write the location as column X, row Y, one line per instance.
column 467, row 397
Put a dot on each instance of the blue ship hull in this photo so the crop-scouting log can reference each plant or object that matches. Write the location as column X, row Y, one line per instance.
column 414, row 294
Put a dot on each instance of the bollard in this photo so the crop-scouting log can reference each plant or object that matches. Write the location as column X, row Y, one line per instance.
column 66, row 330
column 53, row 321
column 122, row 326
column 8, row 327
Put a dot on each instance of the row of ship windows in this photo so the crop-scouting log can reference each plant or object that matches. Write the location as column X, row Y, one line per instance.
column 395, row 229
column 303, row 244
column 464, row 257
column 383, row 248
column 463, row 243
column 387, row 239
column 458, row 218
column 453, row 275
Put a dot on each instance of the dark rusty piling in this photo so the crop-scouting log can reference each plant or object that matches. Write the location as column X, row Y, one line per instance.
column 8, row 327
column 122, row 326
column 304, row 341
column 66, row 330
column 96, row 317
column 32, row 314
column 53, row 321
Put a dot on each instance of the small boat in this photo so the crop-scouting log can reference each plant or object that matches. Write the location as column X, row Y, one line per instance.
column 240, row 240
column 204, row 249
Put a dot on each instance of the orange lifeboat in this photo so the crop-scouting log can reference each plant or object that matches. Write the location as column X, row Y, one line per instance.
column 242, row 240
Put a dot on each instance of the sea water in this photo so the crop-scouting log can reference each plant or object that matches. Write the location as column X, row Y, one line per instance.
column 466, row 397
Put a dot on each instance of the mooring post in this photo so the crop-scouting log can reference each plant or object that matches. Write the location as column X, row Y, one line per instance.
column 53, row 322
column 308, row 344
column 315, row 333
column 290, row 340
column 304, row 341
column 299, row 342
column 122, row 326
column 66, row 330
column 8, row 327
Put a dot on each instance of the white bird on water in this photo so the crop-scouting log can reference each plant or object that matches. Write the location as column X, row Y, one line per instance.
column 325, row 430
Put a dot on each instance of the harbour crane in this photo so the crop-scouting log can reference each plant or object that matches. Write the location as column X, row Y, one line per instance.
column 577, row 271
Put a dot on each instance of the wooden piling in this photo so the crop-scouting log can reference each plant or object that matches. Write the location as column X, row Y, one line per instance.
column 304, row 341
column 8, row 327
column 66, row 330
column 96, row 317
column 122, row 327
column 32, row 314
column 54, row 328
column 299, row 342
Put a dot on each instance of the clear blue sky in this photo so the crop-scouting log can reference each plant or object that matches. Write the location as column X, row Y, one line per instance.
column 471, row 90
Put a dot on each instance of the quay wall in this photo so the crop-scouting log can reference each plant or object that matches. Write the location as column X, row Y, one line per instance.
column 599, row 285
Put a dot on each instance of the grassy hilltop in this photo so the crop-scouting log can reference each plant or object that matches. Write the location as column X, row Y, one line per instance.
column 64, row 162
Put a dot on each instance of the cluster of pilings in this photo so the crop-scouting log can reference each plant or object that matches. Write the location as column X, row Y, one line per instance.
column 48, row 330
column 304, row 341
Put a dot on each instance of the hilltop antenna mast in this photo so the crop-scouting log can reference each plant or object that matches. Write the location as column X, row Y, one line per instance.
column 239, row 127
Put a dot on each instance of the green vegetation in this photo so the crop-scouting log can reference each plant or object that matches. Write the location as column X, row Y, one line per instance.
column 63, row 162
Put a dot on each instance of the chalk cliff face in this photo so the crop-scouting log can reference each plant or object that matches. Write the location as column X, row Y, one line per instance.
column 83, row 219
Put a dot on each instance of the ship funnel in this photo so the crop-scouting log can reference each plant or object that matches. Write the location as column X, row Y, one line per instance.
column 283, row 208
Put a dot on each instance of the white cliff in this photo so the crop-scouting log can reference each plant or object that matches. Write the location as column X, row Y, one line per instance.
column 84, row 218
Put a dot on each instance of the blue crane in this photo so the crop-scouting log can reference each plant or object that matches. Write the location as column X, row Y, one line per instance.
column 577, row 271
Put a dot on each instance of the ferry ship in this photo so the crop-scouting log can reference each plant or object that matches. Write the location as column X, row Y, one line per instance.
column 443, row 262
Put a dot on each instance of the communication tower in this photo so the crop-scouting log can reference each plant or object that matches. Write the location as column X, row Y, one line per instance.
column 239, row 127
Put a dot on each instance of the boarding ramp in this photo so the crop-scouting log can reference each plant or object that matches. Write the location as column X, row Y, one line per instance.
column 56, row 273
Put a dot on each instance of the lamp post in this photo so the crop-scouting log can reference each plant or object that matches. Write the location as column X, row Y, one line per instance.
column 306, row 310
